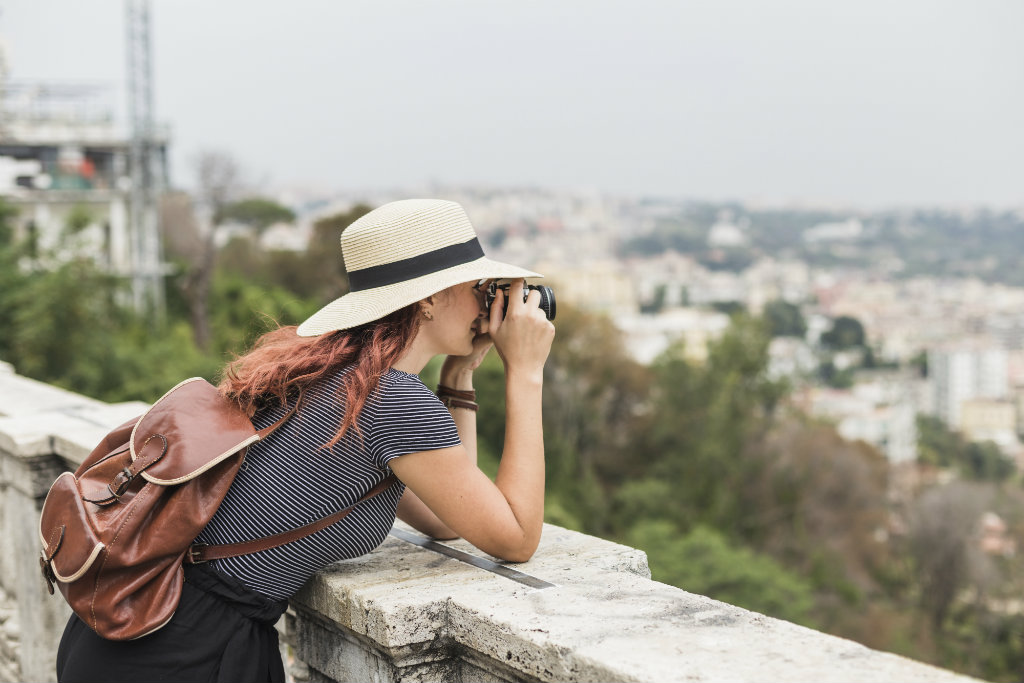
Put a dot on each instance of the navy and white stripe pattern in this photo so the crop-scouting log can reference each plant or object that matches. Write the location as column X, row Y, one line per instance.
column 289, row 480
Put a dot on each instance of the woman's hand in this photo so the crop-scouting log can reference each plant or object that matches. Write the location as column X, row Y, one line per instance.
column 523, row 337
column 457, row 371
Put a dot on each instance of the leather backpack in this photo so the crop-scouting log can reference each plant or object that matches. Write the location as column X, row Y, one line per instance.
column 115, row 534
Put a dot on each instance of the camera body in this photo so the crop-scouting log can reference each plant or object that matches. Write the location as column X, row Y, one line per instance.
column 547, row 297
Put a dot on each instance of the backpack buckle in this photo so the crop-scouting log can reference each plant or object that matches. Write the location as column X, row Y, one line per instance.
column 195, row 552
column 120, row 484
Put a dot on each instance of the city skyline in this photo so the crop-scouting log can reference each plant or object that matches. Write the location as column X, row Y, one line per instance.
column 866, row 104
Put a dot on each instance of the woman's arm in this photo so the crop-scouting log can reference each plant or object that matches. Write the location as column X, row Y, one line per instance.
column 504, row 517
column 456, row 373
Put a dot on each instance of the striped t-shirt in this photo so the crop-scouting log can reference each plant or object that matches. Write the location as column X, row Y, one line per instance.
column 288, row 480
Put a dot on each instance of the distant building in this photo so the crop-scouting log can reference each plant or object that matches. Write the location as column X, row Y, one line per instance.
column 790, row 357
column 725, row 234
column 817, row 325
column 891, row 429
column 964, row 372
column 1018, row 400
column 1008, row 329
column 881, row 412
column 600, row 286
column 667, row 278
column 990, row 419
column 768, row 280
column 61, row 156
column 844, row 231
column 649, row 335
column 717, row 287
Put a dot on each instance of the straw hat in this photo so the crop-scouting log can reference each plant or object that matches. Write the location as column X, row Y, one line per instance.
column 403, row 252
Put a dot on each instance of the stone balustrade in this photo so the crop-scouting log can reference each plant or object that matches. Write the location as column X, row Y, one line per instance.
column 583, row 609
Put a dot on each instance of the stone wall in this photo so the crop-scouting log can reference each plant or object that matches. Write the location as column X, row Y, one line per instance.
column 43, row 431
column 583, row 609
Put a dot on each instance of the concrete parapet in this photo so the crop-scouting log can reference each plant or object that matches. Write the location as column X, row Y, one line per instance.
column 44, row 431
column 410, row 613
column 405, row 613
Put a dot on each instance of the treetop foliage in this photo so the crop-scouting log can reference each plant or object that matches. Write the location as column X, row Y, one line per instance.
column 256, row 212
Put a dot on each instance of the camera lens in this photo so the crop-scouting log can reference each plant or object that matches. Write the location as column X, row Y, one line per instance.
column 547, row 297
column 547, row 300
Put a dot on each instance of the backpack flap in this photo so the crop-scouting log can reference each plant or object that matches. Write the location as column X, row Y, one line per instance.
column 200, row 428
column 68, row 554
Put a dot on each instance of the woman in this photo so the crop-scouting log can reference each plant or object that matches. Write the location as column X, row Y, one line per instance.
column 415, row 270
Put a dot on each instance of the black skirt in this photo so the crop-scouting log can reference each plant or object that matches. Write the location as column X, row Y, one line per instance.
column 221, row 631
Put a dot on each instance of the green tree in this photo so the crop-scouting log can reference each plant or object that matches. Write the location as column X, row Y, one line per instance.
column 60, row 320
column 833, row 376
column 729, row 307
column 68, row 329
column 704, row 562
column 11, row 277
column 79, row 218
column 218, row 180
column 657, row 303
column 64, row 320
column 307, row 275
column 704, row 423
column 984, row 461
column 258, row 213
column 324, row 252
column 241, row 310
column 920, row 363
column 784, row 319
column 846, row 333
column 819, row 502
column 63, row 324
column 942, row 447
column 942, row 542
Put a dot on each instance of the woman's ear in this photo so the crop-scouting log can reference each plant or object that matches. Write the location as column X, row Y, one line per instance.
column 427, row 308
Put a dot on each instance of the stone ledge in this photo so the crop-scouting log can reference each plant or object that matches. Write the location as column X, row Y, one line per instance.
column 39, row 419
column 406, row 613
column 24, row 396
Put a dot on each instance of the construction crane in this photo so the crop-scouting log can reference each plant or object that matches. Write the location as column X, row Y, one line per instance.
column 145, row 165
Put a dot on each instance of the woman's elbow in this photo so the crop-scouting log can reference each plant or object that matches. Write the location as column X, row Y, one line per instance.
column 517, row 557
column 520, row 552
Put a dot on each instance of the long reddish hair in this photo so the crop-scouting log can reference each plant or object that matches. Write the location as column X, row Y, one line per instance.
column 281, row 363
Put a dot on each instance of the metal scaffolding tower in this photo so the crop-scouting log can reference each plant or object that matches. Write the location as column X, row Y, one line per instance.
column 145, row 167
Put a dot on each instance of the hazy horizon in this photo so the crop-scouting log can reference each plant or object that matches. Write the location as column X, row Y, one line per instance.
column 868, row 104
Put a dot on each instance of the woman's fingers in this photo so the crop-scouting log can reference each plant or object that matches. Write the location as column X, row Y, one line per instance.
column 495, row 314
column 533, row 300
column 515, row 294
column 524, row 335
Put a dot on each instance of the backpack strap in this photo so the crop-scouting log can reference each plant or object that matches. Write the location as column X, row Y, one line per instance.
column 270, row 429
column 200, row 552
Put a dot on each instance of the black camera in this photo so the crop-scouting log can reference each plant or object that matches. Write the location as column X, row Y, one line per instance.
column 547, row 297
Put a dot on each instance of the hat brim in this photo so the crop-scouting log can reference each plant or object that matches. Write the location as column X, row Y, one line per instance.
column 358, row 308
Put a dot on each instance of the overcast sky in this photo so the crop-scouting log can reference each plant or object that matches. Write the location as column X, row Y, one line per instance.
column 867, row 102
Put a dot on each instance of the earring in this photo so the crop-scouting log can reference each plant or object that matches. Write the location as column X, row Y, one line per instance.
column 428, row 315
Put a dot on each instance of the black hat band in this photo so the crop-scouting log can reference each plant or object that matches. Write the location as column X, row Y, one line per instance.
column 415, row 266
